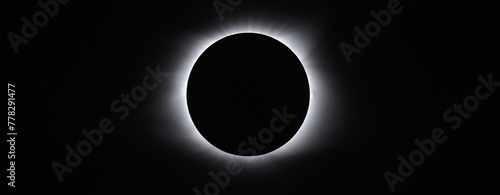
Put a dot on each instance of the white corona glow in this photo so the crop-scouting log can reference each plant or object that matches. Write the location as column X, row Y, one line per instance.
column 297, row 35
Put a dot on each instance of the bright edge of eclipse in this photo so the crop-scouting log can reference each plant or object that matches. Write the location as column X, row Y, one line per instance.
column 298, row 37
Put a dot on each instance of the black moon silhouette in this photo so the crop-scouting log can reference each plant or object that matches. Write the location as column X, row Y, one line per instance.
column 248, row 94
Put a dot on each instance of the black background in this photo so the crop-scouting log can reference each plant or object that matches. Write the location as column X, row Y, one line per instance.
column 395, row 90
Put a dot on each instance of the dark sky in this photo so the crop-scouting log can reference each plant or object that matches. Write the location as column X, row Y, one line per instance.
column 429, row 57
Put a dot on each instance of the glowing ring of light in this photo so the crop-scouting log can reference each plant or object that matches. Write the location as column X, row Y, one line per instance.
column 301, row 40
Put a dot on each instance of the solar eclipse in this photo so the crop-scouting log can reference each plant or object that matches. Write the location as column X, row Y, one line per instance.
column 248, row 94
column 300, row 37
